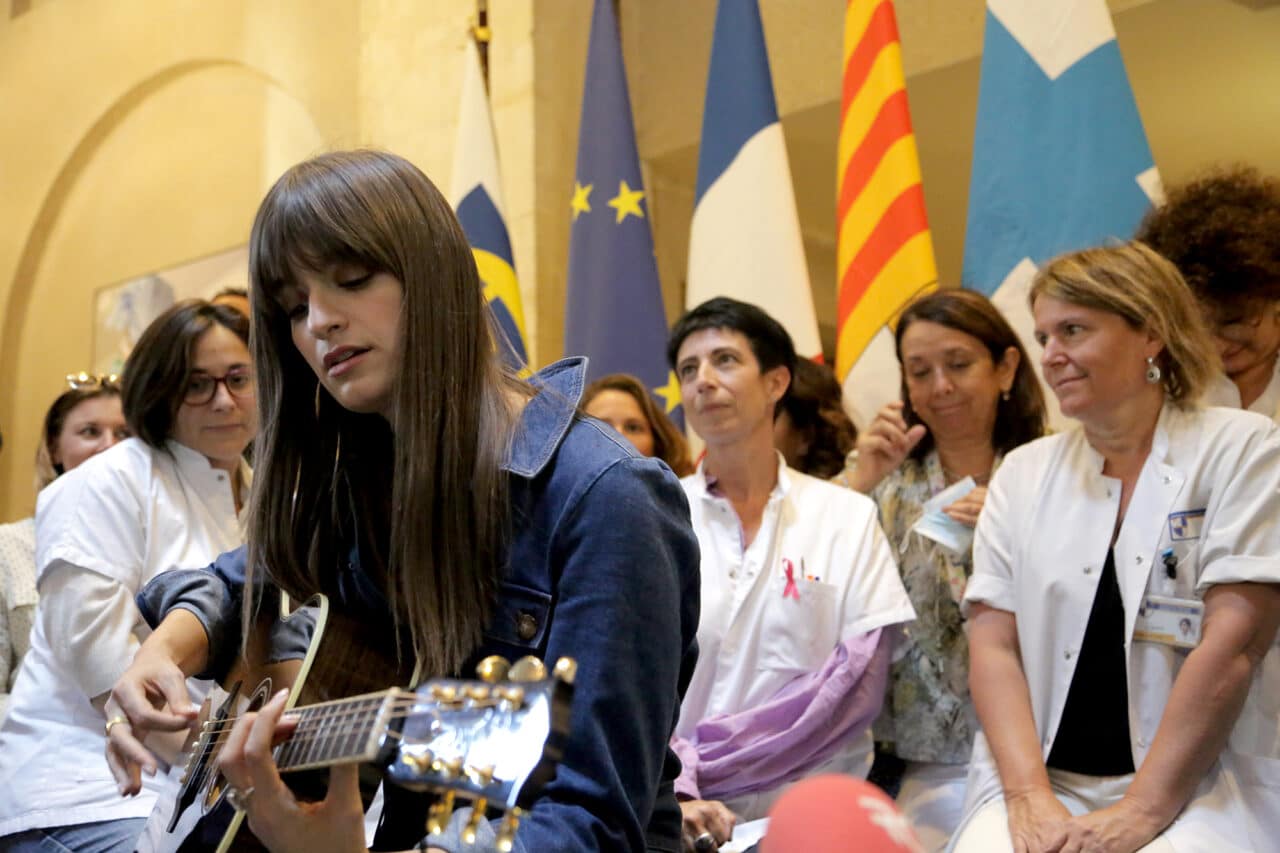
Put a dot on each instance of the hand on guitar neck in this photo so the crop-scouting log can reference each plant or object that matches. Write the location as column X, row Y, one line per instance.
column 275, row 815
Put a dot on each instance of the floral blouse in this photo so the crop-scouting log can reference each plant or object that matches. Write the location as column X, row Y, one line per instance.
column 17, row 600
column 928, row 715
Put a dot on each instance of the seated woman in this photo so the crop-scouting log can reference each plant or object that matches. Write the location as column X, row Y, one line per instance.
column 622, row 401
column 812, row 431
column 969, row 396
column 168, row 497
column 82, row 422
column 1222, row 232
column 407, row 473
column 1106, row 724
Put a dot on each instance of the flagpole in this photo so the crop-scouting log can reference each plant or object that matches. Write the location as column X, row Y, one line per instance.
column 481, row 33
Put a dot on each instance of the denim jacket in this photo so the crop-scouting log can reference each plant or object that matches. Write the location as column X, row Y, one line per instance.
column 603, row 568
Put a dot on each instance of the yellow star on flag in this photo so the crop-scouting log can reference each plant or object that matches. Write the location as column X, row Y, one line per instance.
column 627, row 201
column 670, row 393
column 580, row 203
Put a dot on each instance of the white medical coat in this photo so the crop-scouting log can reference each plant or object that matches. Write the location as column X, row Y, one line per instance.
column 1210, row 490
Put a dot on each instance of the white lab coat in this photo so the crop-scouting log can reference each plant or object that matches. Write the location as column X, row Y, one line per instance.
column 102, row 531
column 1223, row 392
column 1039, row 550
column 751, row 640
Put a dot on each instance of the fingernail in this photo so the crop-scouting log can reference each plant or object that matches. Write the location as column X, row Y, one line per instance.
column 281, row 694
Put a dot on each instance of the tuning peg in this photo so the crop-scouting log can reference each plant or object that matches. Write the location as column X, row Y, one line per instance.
column 505, row 839
column 528, row 668
column 482, row 775
column 438, row 814
column 566, row 670
column 420, row 761
column 513, row 695
column 473, row 823
column 493, row 669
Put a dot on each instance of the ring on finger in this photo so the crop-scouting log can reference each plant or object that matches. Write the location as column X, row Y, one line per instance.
column 238, row 798
column 115, row 721
column 705, row 843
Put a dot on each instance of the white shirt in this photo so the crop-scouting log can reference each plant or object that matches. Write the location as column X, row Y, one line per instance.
column 1223, row 392
column 102, row 531
column 752, row 640
column 1210, row 490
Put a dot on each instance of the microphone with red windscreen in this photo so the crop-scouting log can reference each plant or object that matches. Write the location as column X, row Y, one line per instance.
column 836, row 814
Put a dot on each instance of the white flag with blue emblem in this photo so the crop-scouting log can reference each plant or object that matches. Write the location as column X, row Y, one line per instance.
column 1060, row 159
column 477, row 199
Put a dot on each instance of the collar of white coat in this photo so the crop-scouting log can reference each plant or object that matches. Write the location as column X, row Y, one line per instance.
column 196, row 466
column 703, row 486
column 1170, row 423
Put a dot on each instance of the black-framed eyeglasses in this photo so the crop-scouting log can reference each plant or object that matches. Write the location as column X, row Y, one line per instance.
column 201, row 387
column 93, row 381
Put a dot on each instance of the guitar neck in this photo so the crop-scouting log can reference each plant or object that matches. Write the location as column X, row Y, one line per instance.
column 341, row 732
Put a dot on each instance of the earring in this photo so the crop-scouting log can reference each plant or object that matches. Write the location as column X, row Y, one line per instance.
column 1004, row 395
column 1153, row 370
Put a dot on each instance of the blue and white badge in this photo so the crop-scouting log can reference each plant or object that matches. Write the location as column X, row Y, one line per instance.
column 1170, row 621
column 1185, row 525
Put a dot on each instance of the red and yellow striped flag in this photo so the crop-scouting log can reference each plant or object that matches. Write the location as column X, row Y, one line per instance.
column 884, row 251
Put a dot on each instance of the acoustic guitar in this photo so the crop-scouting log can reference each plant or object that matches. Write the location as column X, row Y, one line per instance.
column 492, row 742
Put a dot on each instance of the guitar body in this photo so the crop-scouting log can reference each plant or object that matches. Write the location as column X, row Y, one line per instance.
column 342, row 659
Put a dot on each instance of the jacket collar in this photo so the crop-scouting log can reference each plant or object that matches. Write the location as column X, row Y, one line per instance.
column 547, row 417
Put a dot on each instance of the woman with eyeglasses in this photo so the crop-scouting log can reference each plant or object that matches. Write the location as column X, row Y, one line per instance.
column 1222, row 232
column 83, row 421
column 169, row 497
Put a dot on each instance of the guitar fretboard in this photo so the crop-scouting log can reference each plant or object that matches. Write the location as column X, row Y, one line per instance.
column 338, row 732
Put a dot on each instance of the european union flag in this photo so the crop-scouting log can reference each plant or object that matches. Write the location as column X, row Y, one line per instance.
column 614, row 312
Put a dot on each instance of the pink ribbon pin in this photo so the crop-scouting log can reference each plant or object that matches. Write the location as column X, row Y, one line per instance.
column 791, row 590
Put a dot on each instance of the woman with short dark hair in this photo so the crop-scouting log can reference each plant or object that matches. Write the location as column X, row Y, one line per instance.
column 166, row 498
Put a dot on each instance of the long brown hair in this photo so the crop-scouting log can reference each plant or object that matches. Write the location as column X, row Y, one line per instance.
column 1020, row 418
column 425, row 495
column 668, row 443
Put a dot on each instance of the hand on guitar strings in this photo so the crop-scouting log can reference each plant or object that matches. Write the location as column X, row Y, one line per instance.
column 150, row 696
column 275, row 815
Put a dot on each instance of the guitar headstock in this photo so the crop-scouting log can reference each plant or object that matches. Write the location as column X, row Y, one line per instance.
column 494, row 741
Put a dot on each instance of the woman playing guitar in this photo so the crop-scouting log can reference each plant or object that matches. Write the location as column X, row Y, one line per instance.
column 404, row 471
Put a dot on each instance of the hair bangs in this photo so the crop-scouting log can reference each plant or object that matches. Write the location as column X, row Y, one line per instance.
column 306, row 224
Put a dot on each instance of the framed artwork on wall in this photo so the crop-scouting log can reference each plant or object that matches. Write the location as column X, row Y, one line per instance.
column 123, row 310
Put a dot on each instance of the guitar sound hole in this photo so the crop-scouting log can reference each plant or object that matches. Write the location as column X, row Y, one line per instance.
column 217, row 783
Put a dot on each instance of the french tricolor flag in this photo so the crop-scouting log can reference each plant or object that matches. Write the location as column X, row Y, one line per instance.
column 746, row 240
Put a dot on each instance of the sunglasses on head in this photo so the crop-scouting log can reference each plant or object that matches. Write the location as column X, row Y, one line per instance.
column 92, row 382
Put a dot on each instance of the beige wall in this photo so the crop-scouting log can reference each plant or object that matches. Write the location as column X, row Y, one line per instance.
column 142, row 133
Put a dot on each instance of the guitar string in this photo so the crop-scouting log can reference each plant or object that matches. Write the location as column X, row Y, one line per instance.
column 209, row 766
column 319, row 729
column 309, row 713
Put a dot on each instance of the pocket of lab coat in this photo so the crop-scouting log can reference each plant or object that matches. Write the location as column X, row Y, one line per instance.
column 798, row 633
